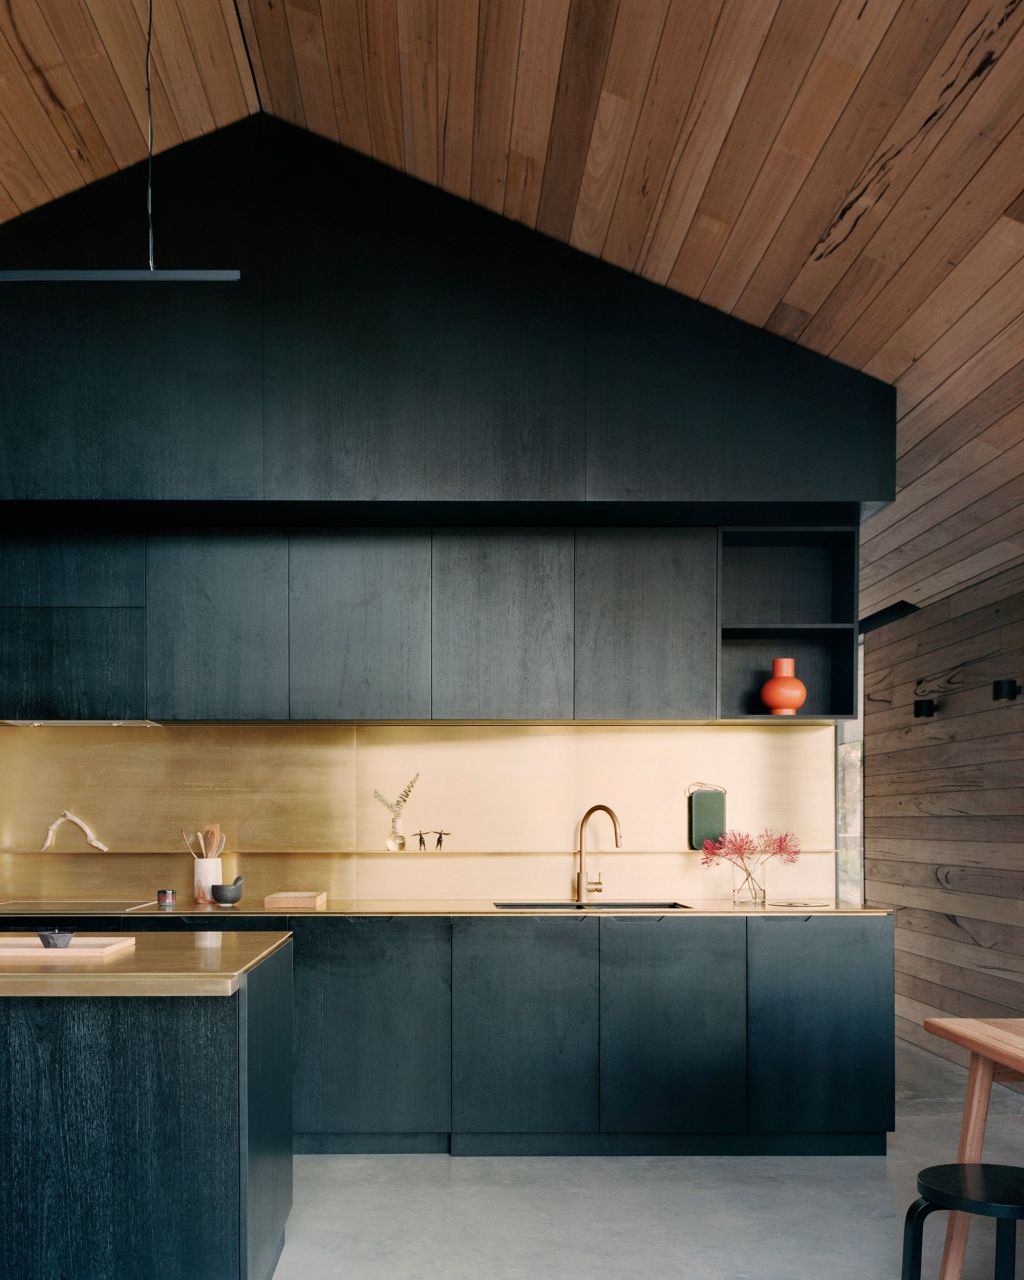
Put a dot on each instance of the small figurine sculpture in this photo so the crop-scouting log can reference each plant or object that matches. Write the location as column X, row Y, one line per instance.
column 440, row 838
column 421, row 836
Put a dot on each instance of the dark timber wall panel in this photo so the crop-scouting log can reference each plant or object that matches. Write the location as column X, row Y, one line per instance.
column 944, row 805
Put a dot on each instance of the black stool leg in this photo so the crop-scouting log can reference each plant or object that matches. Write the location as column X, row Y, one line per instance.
column 1006, row 1248
column 913, row 1232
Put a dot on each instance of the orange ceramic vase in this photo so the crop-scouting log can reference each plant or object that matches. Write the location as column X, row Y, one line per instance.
column 783, row 694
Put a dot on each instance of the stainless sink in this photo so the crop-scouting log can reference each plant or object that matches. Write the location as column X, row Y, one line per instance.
column 592, row 906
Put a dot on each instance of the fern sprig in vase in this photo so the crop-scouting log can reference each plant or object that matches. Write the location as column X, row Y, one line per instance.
column 395, row 840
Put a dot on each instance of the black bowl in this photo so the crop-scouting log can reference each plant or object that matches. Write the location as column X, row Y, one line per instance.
column 56, row 937
column 227, row 894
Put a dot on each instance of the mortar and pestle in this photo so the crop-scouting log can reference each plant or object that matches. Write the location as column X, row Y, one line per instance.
column 226, row 895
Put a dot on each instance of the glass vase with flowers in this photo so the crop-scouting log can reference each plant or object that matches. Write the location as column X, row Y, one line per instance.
column 749, row 854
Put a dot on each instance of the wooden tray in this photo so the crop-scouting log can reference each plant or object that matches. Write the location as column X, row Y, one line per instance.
column 29, row 950
column 296, row 900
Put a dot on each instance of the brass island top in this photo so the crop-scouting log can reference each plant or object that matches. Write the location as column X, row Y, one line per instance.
column 161, row 964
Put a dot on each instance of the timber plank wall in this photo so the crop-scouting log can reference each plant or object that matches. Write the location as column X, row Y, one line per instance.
column 944, row 805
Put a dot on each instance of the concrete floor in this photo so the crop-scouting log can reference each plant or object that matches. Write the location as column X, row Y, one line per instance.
column 826, row 1218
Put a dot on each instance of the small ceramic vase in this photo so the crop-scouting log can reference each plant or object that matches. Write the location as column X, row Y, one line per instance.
column 784, row 694
column 208, row 872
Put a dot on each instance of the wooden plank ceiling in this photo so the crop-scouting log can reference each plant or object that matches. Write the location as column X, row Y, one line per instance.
column 846, row 173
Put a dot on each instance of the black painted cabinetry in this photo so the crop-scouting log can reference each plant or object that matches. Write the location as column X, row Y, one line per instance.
column 645, row 634
column 373, row 1031
column 622, row 1035
column 525, row 1016
column 445, row 366
column 821, row 1016
column 502, row 644
column 673, row 1025
column 359, row 625
column 685, row 403
column 390, row 342
column 72, row 628
column 120, row 392
column 217, row 627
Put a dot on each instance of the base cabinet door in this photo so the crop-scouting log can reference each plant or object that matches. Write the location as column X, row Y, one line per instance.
column 673, row 1025
column 821, row 1029
column 372, row 1025
column 525, row 1025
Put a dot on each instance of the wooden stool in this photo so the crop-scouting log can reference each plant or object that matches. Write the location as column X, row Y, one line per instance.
column 989, row 1190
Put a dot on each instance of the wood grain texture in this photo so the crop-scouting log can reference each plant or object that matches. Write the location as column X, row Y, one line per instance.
column 73, row 663
column 502, row 624
column 944, row 807
column 373, row 1025
column 165, row 1203
column 657, row 1030
column 846, row 174
column 836, row 1072
column 359, row 625
column 217, row 627
column 644, row 645
column 525, row 1018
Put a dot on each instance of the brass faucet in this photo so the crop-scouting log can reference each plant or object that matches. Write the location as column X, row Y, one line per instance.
column 583, row 885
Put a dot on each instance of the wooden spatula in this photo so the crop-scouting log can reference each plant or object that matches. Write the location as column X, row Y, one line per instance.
column 211, row 839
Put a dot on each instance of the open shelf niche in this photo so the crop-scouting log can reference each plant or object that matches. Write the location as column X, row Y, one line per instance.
column 788, row 593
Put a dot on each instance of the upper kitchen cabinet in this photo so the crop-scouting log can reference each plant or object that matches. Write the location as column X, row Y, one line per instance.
column 646, row 634
column 502, row 624
column 418, row 349
column 687, row 404
column 217, row 627
column 72, row 630
column 359, row 624
column 130, row 392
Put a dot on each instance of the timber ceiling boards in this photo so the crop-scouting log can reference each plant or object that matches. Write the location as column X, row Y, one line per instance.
column 846, row 173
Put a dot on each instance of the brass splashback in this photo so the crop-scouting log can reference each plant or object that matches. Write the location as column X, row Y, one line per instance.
column 297, row 804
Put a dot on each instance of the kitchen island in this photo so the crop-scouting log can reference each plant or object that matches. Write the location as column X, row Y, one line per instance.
column 145, row 1110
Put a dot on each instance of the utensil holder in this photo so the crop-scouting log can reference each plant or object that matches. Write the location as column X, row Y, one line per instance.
column 208, row 872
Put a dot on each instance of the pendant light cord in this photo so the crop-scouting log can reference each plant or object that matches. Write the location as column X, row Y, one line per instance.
column 149, row 136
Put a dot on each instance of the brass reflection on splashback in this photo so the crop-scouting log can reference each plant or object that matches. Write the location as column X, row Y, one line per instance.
column 296, row 802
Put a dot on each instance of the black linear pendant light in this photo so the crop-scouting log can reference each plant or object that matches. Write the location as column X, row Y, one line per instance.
column 141, row 275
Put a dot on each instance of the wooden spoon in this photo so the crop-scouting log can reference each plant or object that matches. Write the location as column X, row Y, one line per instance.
column 211, row 839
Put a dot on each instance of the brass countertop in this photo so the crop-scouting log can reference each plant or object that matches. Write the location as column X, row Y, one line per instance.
column 417, row 907
column 484, row 907
column 162, row 964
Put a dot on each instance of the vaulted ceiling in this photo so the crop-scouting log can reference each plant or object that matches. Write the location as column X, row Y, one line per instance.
column 846, row 173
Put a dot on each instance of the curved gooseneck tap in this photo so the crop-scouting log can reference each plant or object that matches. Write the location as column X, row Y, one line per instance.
column 582, row 883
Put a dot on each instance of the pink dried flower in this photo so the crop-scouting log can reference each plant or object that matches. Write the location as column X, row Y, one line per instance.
column 748, row 851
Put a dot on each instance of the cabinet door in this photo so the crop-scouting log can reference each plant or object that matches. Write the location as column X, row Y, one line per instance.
column 646, row 624
column 359, row 623
column 686, row 404
column 72, row 664
column 673, row 1026
column 73, row 571
column 820, row 1024
column 217, row 627
column 502, row 624
column 525, row 1025
column 372, row 1025
column 109, row 393
column 447, row 366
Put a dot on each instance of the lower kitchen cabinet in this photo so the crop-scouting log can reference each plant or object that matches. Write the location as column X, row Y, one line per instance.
column 820, row 1025
column 373, row 1033
column 525, row 1025
column 673, row 1025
